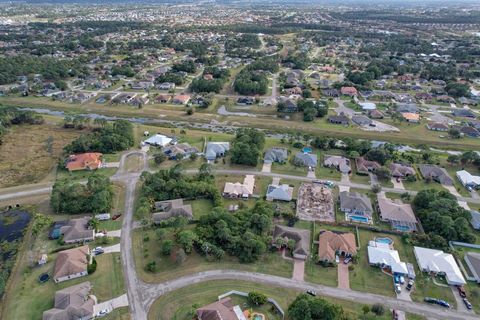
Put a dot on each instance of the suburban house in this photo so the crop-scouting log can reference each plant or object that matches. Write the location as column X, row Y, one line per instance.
column 463, row 113
column 435, row 173
column 171, row 208
column 279, row 192
column 399, row 214
column 407, row 108
column 223, row 309
column 362, row 120
column 365, row 166
column 306, row 159
column 475, row 221
column 402, row 171
column 376, row 114
column 279, row 155
column 163, row 98
column 181, row 99
column 301, row 237
column 356, row 206
column 383, row 256
column 76, row 230
column 158, row 140
column 473, row 262
column 245, row 101
column 340, row 163
column 439, row 262
column 215, row 150
column 339, row 119
column 181, row 150
column 240, row 190
column 437, row 126
column 469, row 132
column 411, row 117
column 73, row 302
column 349, row 91
column 84, row 161
column 72, row 264
column 331, row 244
column 468, row 180
column 166, row 86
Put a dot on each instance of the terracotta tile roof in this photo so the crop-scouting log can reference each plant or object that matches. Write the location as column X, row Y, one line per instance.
column 331, row 242
column 82, row 161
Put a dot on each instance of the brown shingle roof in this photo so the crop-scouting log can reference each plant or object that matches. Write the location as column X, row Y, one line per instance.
column 72, row 303
column 219, row 310
column 71, row 261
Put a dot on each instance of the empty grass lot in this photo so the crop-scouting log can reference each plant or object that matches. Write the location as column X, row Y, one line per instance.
column 270, row 263
column 35, row 161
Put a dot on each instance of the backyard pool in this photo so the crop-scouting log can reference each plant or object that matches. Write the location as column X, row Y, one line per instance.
column 386, row 240
column 307, row 150
column 359, row 219
column 258, row 316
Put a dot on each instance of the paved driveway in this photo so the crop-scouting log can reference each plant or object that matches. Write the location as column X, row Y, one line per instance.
column 118, row 302
column 114, row 233
column 452, row 190
column 311, row 174
column 267, row 167
column 397, row 184
column 298, row 269
column 460, row 305
column 343, row 276
column 111, row 249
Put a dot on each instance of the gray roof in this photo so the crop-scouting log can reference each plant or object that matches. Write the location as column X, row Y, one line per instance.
column 72, row 303
column 276, row 155
column 407, row 107
column 216, row 149
column 301, row 236
column 473, row 262
column 463, row 113
column 435, row 173
column 475, row 219
column 280, row 192
column 172, row 208
column 77, row 230
column 307, row 159
column 355, row 201
column 401, row 170
column 361, row 120
column 339, row 162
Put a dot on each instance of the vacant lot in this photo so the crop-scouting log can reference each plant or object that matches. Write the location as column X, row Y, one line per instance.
column 29, row 153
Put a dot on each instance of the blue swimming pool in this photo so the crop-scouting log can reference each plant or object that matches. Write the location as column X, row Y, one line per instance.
column 384, row 240
column 359, row 219
column 307, row 150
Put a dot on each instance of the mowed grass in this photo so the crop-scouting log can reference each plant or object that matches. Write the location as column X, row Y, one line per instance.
column 30, row 153
column 178, row 304
column 133, row 163
column 28, row 298
column 148, row 251
column 118, row 207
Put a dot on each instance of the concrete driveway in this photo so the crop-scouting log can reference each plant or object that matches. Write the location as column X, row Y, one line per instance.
column 452, row 190
column 405, row 294
column 298, row 269
column 463, row 204
column 397, row 184
column 118, row 302
column 311, row 174
column 343, row 275
column 111, row 249
column 267, row 167
column 114, row 233
column 458, row 299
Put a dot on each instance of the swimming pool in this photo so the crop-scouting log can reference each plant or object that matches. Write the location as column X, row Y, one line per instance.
column 307, row 150
column 386, row 240
column 359, row 219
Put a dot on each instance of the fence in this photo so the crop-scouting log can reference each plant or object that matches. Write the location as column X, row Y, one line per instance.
column 460, row 263
column 244, row 294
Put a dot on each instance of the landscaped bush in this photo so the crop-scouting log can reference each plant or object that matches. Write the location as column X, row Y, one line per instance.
column 92, row 267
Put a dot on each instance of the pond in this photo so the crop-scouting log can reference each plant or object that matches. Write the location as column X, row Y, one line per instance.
column 12, row 224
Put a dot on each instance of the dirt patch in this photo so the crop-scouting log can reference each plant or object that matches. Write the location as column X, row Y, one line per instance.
column 30, row 152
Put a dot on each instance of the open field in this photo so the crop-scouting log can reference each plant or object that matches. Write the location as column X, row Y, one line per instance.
column 35, row 161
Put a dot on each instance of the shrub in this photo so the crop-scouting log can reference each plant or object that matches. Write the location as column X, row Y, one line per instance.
column 151, row 266
column 92, row 266
column 257, row 298
column 378, row 309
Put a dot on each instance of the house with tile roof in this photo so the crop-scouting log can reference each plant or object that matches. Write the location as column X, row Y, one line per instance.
column 435, row 173
column 399, row 214
column 171, row 208
column 77, row 230
column 282, row 192
column 216, row 150
column 84, row 161
column 331, row 244
column 306, row 159
column 399, row 170
column 240, row 190
column 72, row 303
column 279, row 155
column 223, row 309
column 365, row 166
column 439, row 262
column 300, row 236
column 72, row 264
column 356, row 206
column 340, row 163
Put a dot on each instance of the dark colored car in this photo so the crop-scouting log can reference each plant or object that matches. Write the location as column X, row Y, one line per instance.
column 311, row 292
column 410, row 285
column 443, row 303
column 461, row 291
column 430, row 300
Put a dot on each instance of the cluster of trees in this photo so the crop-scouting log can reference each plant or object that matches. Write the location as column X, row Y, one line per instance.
column 186, row 66
column 249, row 82
column 457, row 90
column 125, row 70
column 247, row 146
column 306, row 307
column 360, row 78
column 442, row 219
column 213, row 85
column 50, row 68
column 242, row 234
column 444, row 71
column 170, row 77
column 13, row 116
column 312, row 109
column 242, row 44
column 109, row 138
column 73, row 197
column 299, row 60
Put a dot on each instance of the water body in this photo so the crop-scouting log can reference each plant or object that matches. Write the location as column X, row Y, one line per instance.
column 12, row 224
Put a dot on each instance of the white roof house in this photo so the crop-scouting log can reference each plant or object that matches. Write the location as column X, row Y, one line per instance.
column 437, row 261
column 238, row 189
column 380, row 254
column 158, row 140
column 468, row 179
column 368, row 106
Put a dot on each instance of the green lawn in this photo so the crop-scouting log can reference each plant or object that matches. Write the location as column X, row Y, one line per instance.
column 147, row 251
column 316, row 273
column 28, row 299
column 84, row 174
column 358, row 178
column 200, row 207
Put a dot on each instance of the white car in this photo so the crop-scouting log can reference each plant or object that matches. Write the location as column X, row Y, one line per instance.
column 398, row 289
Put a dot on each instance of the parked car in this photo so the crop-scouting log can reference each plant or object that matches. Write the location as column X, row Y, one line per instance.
column 347, row 260
column 337, row 259
column 430, row 300
column 443, row 303
column 398, row 289
column 98, row 250
column 461, row 291
column 402, row 280
column 410, row 285
column 396, row 279
column 467, row 303
column 102, row 313
column 116, row 216
column 312, row 292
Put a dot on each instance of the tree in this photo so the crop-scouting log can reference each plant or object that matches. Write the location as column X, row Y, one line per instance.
column 246, row 146
column 159, row 157
column 383, row 173
column 453, row 159
column 257, row 298
column 366, row 309
column 309, row 114
column 151, row 267
column 376, row 188
column 160, row 233
column 186, row 239
column 167, row 247
column 205, row 172
column 378, row 309
column 454, row 133
column 307, row 307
